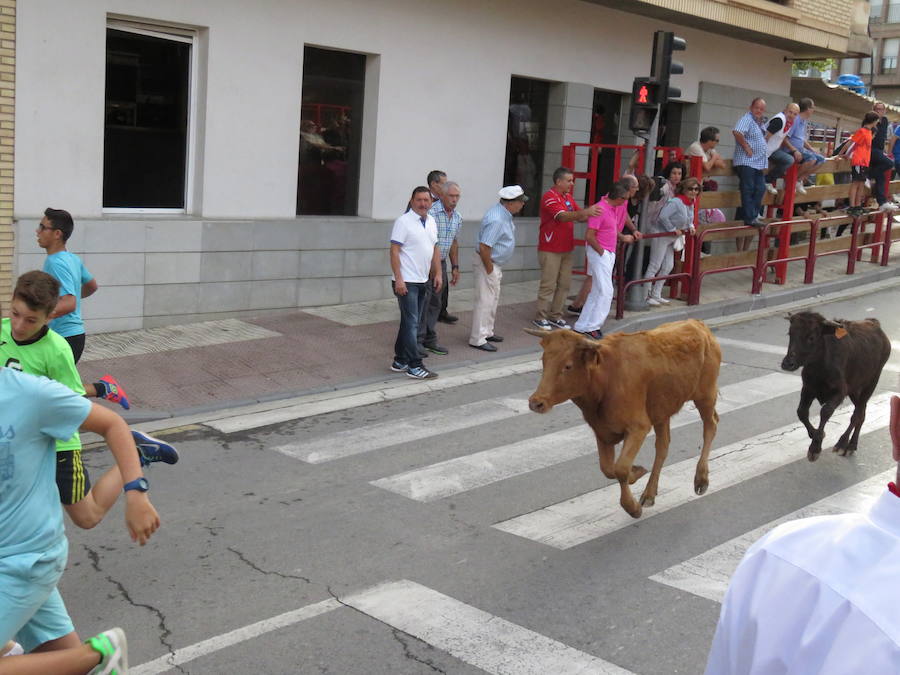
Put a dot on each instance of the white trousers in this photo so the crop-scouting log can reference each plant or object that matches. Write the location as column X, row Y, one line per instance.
column 662, row 260
column 487, row 297
column 599, row 300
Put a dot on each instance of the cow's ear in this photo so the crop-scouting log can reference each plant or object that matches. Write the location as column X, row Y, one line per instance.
column 588, row 353
column 829, row 327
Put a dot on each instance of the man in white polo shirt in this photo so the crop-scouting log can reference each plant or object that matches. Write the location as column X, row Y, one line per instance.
column 414, row 252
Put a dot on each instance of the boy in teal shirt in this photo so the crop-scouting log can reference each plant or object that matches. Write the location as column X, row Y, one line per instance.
column 27, row 344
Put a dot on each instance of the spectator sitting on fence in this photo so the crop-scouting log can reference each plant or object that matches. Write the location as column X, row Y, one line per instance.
column 706, row 148
column 797, row 143
column 677, row 215
column 780, row 159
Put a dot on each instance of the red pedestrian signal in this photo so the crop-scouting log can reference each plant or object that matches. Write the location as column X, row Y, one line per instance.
column 642, row 94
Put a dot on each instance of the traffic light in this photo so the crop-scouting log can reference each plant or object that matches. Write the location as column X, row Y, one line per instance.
column 664, row 43
column 644, row 99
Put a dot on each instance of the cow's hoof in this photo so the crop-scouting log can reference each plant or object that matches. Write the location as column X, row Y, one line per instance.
column 843, row 452
column 700, row 486
column 633, row 511
column 647, row 500
column 812, row 455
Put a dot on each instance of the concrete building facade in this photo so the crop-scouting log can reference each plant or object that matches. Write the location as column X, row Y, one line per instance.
column 223, row 87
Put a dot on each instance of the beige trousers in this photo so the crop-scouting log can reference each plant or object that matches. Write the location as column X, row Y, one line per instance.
column 487, row 296
column 556, row 277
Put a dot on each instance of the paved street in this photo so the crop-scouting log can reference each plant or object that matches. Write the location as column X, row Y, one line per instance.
column 455, row 531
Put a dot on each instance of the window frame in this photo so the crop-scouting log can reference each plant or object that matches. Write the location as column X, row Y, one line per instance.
column 175, row 34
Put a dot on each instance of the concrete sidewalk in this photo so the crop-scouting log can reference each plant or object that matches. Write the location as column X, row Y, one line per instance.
column 183, row 370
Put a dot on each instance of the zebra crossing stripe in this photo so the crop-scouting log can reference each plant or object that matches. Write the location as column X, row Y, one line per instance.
column 597, row 513
column 451, row 477
column 772, row 349
column 214, row 644
column 350, row 442
column 472, row 635
column 269, row 413
column 707, row 574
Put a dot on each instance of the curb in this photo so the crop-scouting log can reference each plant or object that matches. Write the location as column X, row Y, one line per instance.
column 716, row 314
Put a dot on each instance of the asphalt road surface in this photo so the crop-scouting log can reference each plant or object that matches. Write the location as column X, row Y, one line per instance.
column 456, row 532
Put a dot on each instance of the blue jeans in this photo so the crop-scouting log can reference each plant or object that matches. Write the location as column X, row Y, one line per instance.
column 406, row 347
column 779, row 162
column 753, row 187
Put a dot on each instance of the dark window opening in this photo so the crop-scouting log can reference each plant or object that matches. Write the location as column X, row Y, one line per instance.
column 525, row 138
column 330, row 132
column 146, row 125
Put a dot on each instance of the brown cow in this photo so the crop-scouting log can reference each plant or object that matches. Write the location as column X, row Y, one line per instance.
column 627, row 383
column 840, row 358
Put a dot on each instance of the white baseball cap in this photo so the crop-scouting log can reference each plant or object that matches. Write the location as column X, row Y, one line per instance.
column 513, row 192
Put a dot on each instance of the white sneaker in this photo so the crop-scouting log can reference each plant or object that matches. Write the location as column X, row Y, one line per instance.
column 113, row 649
column 868, row 183
column 12, row 648
column 800, row 189
column 888, row 206
column 653, row 302
column 662, row 300
column 771, row 189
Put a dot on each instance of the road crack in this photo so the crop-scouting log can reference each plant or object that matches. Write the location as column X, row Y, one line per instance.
column 259, row 569
column 165, row 633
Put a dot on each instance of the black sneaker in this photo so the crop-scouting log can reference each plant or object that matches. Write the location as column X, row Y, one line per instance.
column 398, row 367
column 573, row 310
column 437, row 349
column 153, row 450
column 420, row 373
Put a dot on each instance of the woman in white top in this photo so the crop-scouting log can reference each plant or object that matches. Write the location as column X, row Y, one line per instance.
column 677, row 215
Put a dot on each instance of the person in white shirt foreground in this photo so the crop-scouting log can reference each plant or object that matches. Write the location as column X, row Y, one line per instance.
column 818, row 595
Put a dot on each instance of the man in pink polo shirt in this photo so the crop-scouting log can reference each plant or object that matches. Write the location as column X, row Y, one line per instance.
column 603, row 232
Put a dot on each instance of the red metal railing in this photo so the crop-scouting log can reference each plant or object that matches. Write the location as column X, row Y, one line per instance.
column 688, row 282
column 570, row 154
column 623, row 286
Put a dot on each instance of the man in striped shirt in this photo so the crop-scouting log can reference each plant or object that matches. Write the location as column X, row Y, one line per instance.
column 448, row 223
column 750, row 160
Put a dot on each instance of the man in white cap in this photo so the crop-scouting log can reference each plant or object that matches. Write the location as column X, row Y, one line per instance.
column 493, row 249
column 818, row 595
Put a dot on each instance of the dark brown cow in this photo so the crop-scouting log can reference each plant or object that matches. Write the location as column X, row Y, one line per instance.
column 627, row 383
column 839, row 358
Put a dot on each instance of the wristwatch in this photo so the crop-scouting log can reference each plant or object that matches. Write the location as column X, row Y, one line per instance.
column 454, row 267
column 140, row 484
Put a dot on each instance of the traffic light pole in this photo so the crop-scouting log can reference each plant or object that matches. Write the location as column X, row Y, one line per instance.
column 636, row 300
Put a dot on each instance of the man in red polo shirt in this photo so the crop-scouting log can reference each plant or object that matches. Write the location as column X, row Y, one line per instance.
column 556, row 239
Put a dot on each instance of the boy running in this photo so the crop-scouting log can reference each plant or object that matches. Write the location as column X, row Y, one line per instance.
column 861, row 145
column 28, row 344
column 34, row 413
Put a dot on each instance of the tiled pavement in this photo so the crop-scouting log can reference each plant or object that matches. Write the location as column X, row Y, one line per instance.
column 281, row 355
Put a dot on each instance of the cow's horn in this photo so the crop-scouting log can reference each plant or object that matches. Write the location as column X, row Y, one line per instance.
column 535, row 332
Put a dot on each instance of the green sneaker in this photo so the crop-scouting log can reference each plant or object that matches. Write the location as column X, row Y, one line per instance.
column 113, row 649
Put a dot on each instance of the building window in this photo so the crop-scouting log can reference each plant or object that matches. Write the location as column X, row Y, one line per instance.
column 330, row 132
column 876, row 8
column 893, row 11
column 147, row 117
column 889, row 49
column 525, row 138
column 865, row 66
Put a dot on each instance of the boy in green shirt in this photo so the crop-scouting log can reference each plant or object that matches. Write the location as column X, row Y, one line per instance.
column 27, row 344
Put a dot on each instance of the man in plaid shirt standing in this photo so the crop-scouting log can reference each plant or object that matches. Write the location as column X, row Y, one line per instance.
column 448, row 223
